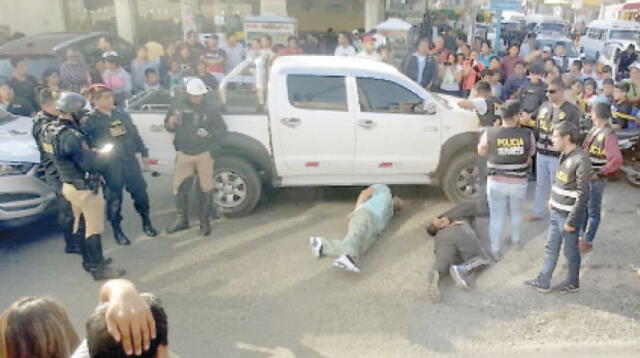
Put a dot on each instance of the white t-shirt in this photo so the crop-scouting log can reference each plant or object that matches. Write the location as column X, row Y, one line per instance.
column 374, row 56
column 481, row 105
column 348, row 51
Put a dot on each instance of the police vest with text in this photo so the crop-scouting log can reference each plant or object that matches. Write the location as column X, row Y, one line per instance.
column 594, row 146
column 546, row 124
column 509, row 150
column 493, row 109
column 564, row 191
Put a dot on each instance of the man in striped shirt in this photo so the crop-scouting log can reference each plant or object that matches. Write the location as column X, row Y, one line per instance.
column 602, row 146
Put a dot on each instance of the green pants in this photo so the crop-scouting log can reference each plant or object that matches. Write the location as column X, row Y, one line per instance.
column 362, row 233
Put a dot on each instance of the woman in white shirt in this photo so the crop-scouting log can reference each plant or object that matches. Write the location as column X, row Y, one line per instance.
column 450, row 75
column 344, row 46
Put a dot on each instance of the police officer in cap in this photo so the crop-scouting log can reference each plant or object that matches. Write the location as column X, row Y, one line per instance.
column 198, row 126
column 110, row 125
column 78, row 167
column 49, row 114
column 533, row 93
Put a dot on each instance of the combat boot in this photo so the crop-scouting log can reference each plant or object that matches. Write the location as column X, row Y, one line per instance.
column 71, row 245
column 99, row 267
column 147, row 227
column 206, row 204
column 460, row 273
column 182, row 212
column 119, row 236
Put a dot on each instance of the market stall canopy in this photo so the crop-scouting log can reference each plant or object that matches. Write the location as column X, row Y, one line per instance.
column 394, row 24
column 631, row 6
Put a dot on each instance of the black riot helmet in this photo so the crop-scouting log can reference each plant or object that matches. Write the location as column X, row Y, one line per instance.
column 71, row 103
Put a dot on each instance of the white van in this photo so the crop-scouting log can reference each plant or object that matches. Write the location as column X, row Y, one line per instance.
column 601, row 32
column 538, row 24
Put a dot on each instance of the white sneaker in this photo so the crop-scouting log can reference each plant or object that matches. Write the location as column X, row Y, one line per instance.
column 316, row 246
column 346, row 262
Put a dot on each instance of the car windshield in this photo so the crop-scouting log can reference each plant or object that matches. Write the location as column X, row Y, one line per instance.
column 35, row 66
column 632, row 35
column 571, row 50
column 550, row 27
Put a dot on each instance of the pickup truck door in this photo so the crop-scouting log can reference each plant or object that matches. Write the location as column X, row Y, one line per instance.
column 313, row 128
column 394, row 134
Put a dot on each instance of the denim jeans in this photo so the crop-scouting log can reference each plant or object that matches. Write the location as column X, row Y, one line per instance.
column 505, row 199
column 589, row 228
column 555, row 239
column 546, row 166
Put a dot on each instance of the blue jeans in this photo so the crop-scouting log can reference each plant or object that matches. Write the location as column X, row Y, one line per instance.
column 503, row 197
column 589, row 228
column 552, row 250
column 546, row 166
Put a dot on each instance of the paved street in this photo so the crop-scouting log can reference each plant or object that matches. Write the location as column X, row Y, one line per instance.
column 253, row 289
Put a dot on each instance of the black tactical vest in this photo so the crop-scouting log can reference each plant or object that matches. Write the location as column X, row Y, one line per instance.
column 548, row 117
column 487, row 119
column 564, row 191
column 533, row 96
column 67, row 168
column 509, row 150
column 594, row 146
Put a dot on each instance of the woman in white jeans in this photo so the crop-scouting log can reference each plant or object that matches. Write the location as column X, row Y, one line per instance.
column 508, row 149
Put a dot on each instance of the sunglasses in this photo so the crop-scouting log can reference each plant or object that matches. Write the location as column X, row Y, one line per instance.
column 552, row 91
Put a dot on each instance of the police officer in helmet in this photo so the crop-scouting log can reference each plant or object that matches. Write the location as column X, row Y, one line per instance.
column 78, row 167
column 198, row 126
column 110, row 125
column 49, row 114
column 533, row 93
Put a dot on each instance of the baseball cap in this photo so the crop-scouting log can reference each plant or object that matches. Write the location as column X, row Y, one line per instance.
column 547, row 49
column 635, row 65
column 369, row 38
column 196, row 87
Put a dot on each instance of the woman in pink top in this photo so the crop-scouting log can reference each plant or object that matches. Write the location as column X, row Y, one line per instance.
column 293, row 48
column 470, row 72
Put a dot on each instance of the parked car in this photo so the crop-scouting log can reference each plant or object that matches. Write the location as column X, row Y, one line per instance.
column 552, row 39
column 48, row 50
column 611, row 54
column 602, row 32
column 24, row 196
column 328, row 121
column 538, row 24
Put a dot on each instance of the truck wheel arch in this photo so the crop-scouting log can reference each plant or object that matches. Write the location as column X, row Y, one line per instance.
column 454, row 146
column 244, row 147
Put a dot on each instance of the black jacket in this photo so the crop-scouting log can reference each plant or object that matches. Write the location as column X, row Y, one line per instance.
column 117, row 129
column 200, row 127
column 429, row 74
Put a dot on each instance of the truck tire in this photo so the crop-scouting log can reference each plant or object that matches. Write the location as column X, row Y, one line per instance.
column 237, row 187
column 461, row 181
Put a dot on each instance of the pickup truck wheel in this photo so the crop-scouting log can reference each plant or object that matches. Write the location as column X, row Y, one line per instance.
column 461, row 182
column 237, row 188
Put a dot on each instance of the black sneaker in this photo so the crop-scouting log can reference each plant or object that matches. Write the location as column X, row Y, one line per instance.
column 535, row 283
column 567, row 287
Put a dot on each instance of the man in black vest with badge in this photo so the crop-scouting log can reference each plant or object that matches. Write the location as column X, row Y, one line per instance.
column 508, row 150
column 487, row 109
column 569, row 198
column 602, row 146
column 551, row 113
column 110, row 125
column 79, row 169
column 533, row 93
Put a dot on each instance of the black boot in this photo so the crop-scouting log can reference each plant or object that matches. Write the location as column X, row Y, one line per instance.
column 182, row 209
column 206, row 204
column 147, row 227
column 119, row 235
column 71, row 245
column 99, row 267
column 460, row 273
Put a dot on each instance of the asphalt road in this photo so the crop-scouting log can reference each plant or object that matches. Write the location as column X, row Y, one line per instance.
column 252, row 289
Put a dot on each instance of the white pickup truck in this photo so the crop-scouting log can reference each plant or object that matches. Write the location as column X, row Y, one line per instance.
column 326, row 121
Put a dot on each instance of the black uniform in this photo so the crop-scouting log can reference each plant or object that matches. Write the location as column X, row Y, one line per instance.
column 492, row 114
column 509, row 150
column 189, row 138
column 123, row 169
column 621, row 114
column 570, row 192
column 548, row 117
column 531, row 96
column 65, row 215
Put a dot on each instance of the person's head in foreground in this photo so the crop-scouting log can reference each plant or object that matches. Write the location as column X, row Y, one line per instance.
column 565, row 136
column 102, row 345
column 438, row 224
column 36, row 328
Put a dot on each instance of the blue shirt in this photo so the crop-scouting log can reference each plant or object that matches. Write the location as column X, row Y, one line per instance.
column 380, row 206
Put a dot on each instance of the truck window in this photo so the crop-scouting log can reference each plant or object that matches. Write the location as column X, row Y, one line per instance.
column 327, row 93
column 382, row 96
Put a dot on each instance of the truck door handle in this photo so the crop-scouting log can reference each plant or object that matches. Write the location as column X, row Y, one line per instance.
column 367, row 123
column 291, row 122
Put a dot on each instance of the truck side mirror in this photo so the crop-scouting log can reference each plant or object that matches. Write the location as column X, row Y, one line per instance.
column 430, row 108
